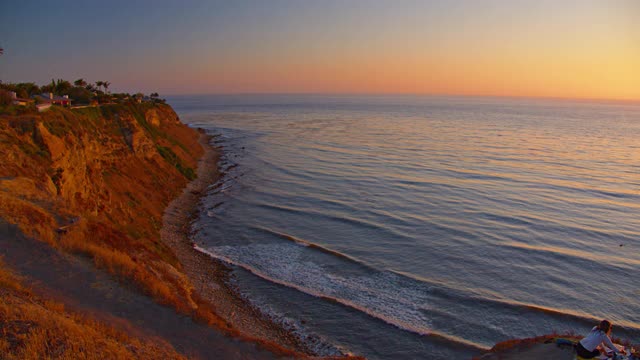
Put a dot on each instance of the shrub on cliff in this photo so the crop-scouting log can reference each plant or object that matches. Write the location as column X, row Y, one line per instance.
column 7, row 107
column 174, row 160
column 22, row 90
column 80, row 95
column 5, row 98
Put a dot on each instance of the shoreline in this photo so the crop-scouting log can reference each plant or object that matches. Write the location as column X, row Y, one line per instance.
column 210, row 276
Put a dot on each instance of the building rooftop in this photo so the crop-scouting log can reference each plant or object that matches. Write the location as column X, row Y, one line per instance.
column 50, row 97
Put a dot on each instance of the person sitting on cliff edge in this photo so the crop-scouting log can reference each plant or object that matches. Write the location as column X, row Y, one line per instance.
column 587, row 348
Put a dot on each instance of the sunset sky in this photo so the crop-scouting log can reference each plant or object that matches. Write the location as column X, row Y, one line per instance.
column 577, row 49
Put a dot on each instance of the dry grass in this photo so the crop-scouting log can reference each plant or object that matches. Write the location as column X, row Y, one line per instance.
column 10, row 281
column 31, row 218
column 73, row 165
column 99, row 188
column 33, row 328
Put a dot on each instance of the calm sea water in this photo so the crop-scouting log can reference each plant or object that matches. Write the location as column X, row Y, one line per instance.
column 426, row 227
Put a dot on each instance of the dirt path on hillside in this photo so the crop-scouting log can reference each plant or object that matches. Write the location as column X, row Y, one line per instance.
column 208, row 275
column 81, row 287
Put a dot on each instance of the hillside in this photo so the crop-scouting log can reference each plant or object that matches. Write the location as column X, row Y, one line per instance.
column 90, row 186
column 32, row 328
column 104, row 174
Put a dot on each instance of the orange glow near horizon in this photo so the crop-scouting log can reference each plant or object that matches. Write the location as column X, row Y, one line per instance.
column 603, row 68
column 591, row 51
column 558, row 75
column 543, row 48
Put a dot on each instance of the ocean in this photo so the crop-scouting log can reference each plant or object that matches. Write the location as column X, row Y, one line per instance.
column 413, row 227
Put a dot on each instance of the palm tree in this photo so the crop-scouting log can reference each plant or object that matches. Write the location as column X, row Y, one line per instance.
column 99, row 84
column 106, row 86
column 80, row 82
column 62, row 86
column 50, row 88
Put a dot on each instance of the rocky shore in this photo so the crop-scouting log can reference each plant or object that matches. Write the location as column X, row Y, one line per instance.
column 208, row 275
column 83, row 194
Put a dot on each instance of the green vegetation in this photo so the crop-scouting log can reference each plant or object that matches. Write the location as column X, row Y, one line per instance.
column 5, row 98
column 80, row 92
column 58, row 127
column 22, row 90
column 59, row 87
column 109, row 111
column 80, row 95
column 174, row 160
column 7, row 107
column 92, row 113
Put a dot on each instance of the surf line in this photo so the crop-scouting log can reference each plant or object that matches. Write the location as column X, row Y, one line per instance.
column 436, row 336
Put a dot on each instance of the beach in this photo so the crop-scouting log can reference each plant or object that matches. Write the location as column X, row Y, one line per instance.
column 210, row 276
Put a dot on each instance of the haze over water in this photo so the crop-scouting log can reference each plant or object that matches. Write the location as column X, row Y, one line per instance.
column 407, row 226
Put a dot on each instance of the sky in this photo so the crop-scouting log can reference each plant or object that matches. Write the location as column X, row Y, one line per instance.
column 560, row 48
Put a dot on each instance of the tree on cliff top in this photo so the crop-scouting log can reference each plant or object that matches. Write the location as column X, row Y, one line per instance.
column 80, row 82
column 59, row 87
column 22, row 90
column 50, row 87
column 80, row 95
column 5, row 98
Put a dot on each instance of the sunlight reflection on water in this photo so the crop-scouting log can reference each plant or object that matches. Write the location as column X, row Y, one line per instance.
column 504, row 206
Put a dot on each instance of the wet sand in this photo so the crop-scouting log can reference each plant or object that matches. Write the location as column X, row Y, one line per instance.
column 209, row 276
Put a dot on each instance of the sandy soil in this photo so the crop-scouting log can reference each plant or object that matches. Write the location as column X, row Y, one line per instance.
column 208, row 275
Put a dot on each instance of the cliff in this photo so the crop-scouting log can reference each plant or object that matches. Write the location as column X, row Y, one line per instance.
column 96, row 181
column 93, row 183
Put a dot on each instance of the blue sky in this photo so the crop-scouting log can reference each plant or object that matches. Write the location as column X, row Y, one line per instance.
column 494, row 47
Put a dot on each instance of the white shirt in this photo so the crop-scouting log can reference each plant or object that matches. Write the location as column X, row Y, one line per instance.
column 595, row 338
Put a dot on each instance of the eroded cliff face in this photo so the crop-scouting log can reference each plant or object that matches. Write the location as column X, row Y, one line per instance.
column 95, row 181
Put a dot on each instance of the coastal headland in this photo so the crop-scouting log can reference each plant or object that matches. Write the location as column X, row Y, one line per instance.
column 85, row 238
column 96, row 259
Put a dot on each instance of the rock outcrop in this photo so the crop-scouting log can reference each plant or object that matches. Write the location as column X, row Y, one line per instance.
column 95, row 181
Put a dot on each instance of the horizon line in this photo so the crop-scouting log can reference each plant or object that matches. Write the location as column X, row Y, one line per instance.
column 558, row 98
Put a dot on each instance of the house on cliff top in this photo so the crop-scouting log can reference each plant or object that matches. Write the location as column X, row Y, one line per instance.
column 53, row 99
column 19, row 101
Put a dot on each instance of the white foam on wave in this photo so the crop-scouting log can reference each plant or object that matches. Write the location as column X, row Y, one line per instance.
column 316, row 343
column 383, row 295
